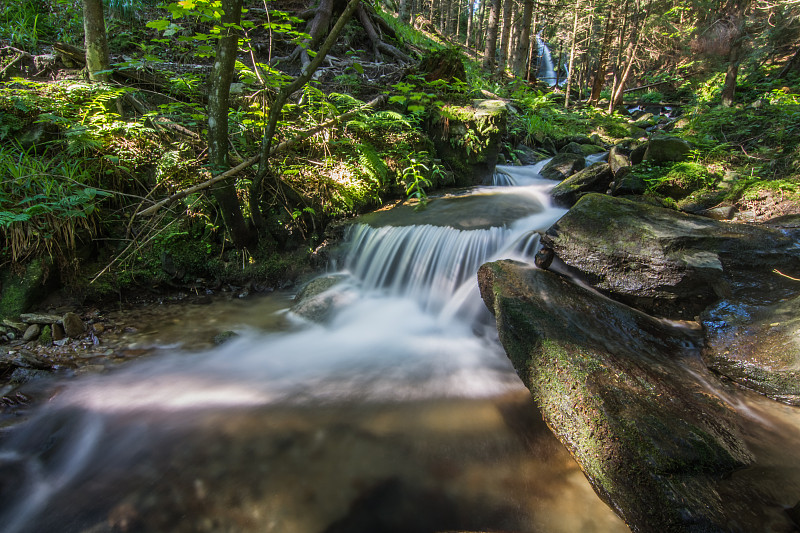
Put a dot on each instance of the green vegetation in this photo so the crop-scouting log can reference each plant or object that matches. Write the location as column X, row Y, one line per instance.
column 80, row 160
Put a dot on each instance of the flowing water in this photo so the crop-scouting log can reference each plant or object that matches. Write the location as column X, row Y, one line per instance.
column 399, row 413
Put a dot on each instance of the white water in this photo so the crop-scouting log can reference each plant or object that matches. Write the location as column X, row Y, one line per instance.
column 407, row 334
column 547, row 72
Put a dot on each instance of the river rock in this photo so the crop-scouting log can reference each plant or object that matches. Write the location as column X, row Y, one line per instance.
column 73, row 325
column 32, row 332
column 19, row 290
column 619, row 159
column 526, row 155
column 317, row 300
column 664, row 262
column 594, row 178
column 39, row 318
column 628, row 184
column 664, row 148
column 572, row 148
column 628, row 396
column 563, row 166
column 757, row 344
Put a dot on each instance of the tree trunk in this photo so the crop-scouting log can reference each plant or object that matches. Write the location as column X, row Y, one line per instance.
column 218, row 96
column 533, row 53
column 506, row 33
column 523, row 44
column 572, row 53
column 277, row 106
column 600, row 74
column 480, row 41
column 491, row 36
column 458, row 20
column 633, row 45
column 94, row 28
column 736, row 10
column 470, row 17
column 404, row 10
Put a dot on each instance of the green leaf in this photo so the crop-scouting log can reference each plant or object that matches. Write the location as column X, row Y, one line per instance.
column 159, row 25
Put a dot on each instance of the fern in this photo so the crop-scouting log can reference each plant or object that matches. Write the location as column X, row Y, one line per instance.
column 371, row 163
column 344, row 102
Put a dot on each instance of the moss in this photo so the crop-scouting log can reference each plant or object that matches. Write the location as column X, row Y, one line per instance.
column 46, row 337
column 21, row 289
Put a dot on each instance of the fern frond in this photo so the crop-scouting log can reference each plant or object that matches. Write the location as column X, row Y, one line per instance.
column 371, row 163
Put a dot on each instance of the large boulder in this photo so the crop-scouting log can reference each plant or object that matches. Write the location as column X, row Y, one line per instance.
column 563, row 166
column 628, row 396
column 665, row 262
column 318, row 298
column 664, row 148
column 594, row 178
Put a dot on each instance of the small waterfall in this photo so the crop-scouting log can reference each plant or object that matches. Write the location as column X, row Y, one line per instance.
column 407, row 335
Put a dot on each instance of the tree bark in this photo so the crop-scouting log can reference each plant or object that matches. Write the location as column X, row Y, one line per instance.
column 94, row 27
column 480, row 42
column 221, row 77
column 572, row 53
column 633, row 46
column 404, row 11
column 600, row 74
column 470, row 18
column 491, row 37
column 505, row 35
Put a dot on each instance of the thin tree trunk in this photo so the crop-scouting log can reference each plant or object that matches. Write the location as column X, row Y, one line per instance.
column 458, row 21
column 504, row 37
column 572, row 53
column 95, row 42
column 737, row 10
column 218, row 97
column 444, row 9
column 491, row 37
column 633, row 46
column 521, row 51
column 480, row 41
column 470, row 18
column 280, row 100
column 600, row 74
column 533, row 54
column 404, row 10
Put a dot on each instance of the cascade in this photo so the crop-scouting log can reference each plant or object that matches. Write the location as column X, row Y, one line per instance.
column 393, row 398
column 547, row 72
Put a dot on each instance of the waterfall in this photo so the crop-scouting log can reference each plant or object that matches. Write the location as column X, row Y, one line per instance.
column 547, row 71
column 407, row 335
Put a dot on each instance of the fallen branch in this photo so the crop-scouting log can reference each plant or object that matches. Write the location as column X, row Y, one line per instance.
column 256, row 158
column 11, row 64
column 785, row 275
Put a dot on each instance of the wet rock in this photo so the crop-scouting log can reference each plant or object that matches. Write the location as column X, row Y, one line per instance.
column 627, row 395
column 756, row 344
column 317, row 300
column 73, row 325
column 32, row 332
column 595, row 178
column 723, row 212
column 563, row 166
column 663, row 148
column 225, row 336
column 526, row 155
column 664, row 262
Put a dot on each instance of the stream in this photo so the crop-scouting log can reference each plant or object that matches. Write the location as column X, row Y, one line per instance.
column 400, row 412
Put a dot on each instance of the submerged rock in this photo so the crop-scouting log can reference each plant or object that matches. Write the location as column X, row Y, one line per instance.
column 318, row 299
column 664, row 262
column 757, row 345
column 627, row 395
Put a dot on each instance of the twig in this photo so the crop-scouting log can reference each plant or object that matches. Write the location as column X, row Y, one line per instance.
column 784, row 275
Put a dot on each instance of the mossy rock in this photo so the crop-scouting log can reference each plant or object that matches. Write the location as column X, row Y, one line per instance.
column 664, row 148
column 563, row 166
column 22, row 289
column 594, row 178
column 623, row 393
column 468, row 138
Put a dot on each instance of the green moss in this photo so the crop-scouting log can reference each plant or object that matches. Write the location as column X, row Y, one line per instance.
column 21, row 290
column 46, row 338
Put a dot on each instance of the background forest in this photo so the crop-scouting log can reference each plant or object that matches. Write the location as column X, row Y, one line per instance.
column 159, row 165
